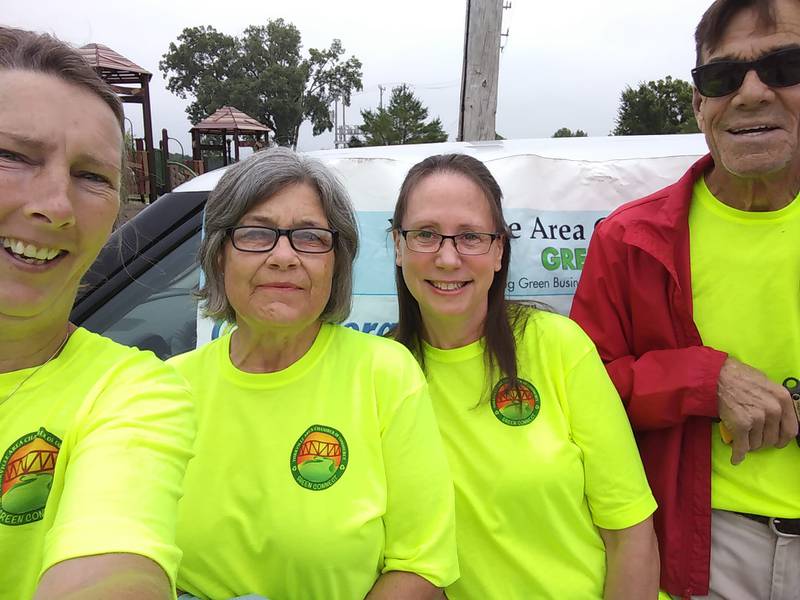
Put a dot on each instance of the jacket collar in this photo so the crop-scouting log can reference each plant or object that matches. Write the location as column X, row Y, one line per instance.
column 664, row 231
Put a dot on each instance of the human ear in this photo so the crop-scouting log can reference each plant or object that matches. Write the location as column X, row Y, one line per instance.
column 697, row 105
column 397, row 238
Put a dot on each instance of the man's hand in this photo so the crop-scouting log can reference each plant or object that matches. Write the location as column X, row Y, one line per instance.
column 757, row 412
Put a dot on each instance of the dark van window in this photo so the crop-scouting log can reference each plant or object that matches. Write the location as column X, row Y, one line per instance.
column 156, row 311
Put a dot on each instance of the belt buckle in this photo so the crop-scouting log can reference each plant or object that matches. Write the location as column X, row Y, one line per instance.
column 774, row 524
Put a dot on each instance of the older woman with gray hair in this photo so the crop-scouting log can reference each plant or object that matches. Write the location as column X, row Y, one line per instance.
column 319, row 469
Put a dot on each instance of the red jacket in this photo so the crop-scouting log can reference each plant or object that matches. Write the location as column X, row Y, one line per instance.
column 634, row 300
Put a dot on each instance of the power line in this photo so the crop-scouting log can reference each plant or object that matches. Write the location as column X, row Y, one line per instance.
column 419, row 86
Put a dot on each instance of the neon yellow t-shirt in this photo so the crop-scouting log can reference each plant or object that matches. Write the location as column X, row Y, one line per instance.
column 746, row 296
column 535, row 478
column 312, row 481
column 93, row 449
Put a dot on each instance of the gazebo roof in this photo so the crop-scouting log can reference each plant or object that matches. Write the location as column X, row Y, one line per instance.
column 229, row 119
column 112, row 66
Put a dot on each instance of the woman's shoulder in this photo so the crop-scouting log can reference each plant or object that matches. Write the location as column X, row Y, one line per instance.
column 193, row 358
column 113, row 363
column 554, row 330
column 102, row 354
column 122, row 376
column 369, row 342
column 381, row 353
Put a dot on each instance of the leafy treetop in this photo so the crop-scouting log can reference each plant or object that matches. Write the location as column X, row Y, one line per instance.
column 401, row 122
column 656, row 107
column 567, row 132
column 262, row 73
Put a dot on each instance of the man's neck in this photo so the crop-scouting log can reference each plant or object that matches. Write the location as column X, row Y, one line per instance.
column 754, row 194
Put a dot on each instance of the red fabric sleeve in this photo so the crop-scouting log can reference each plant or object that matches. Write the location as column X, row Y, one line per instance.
column 660, row 387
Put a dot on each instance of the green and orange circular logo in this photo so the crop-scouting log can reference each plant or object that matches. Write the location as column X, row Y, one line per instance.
column 515, row 406
column 319, row 458
column 26, row 469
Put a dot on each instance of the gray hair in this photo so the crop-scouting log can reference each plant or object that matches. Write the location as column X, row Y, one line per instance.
column 253, row 180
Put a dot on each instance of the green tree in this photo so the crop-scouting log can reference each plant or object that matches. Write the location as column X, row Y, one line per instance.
column 262, row 73
column 567, row 132
column 656, row 107
column 401, row 122
column 355, row 142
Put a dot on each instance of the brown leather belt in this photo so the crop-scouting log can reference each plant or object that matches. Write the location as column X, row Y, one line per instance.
column 784, row 527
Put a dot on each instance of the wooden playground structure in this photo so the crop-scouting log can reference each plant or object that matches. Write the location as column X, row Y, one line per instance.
column 152, row 172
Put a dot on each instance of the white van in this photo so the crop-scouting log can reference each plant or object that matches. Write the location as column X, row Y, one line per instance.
column 139, row 291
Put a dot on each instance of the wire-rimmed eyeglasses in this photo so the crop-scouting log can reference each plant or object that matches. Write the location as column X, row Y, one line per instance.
column 469, row 243
column 256, row 238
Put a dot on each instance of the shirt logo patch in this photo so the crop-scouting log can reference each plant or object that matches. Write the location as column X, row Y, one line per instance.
column 27, row 474
column 319, row 458
column 518, row 406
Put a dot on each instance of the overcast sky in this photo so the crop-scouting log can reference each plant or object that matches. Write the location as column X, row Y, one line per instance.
column 564, row 63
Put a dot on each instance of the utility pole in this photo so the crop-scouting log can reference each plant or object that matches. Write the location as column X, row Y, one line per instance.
column 480, row 70
column 340, row 132
column 381, row 88
column 336, row 123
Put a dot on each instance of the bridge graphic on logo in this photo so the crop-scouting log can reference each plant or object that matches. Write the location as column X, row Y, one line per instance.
column 518, row 406
column 320, row 448
column 35, row 461
column 319, row 457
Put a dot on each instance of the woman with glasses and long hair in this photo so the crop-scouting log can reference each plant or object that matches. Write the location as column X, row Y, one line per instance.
column 94, row 436
column 319, row 470
column 551, row 497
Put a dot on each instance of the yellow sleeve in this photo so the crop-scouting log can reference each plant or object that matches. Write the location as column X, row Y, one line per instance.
column 420, row 510
column 123, row 469
column 616, row 486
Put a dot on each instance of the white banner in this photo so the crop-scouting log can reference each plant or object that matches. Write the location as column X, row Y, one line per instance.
column 555, row 192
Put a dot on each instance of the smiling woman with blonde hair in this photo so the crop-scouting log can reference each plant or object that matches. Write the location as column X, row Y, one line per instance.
column 94, row 436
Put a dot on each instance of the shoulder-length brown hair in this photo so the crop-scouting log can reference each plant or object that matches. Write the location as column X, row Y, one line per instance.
column 503, row 318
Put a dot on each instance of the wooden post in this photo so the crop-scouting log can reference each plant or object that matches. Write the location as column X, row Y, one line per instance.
column 148, row 138
column 142, row 180
column 236, row 145
column 480, row 71
column 196, row 155
column 165, row 159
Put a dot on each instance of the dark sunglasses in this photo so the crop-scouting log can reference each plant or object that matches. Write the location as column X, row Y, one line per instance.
column 776, row 69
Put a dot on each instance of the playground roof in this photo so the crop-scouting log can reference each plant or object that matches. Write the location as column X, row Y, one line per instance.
column 229, row 119
column 112, row 66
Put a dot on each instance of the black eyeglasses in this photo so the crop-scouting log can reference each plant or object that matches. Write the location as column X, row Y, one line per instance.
column 312, row 240
column 469, row 242
column 776, row 69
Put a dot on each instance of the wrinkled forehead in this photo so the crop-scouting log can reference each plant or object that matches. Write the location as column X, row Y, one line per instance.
column 753, row 31
column 44, row 112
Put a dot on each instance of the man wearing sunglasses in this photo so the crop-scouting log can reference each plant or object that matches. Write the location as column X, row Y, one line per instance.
column 691, row 295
